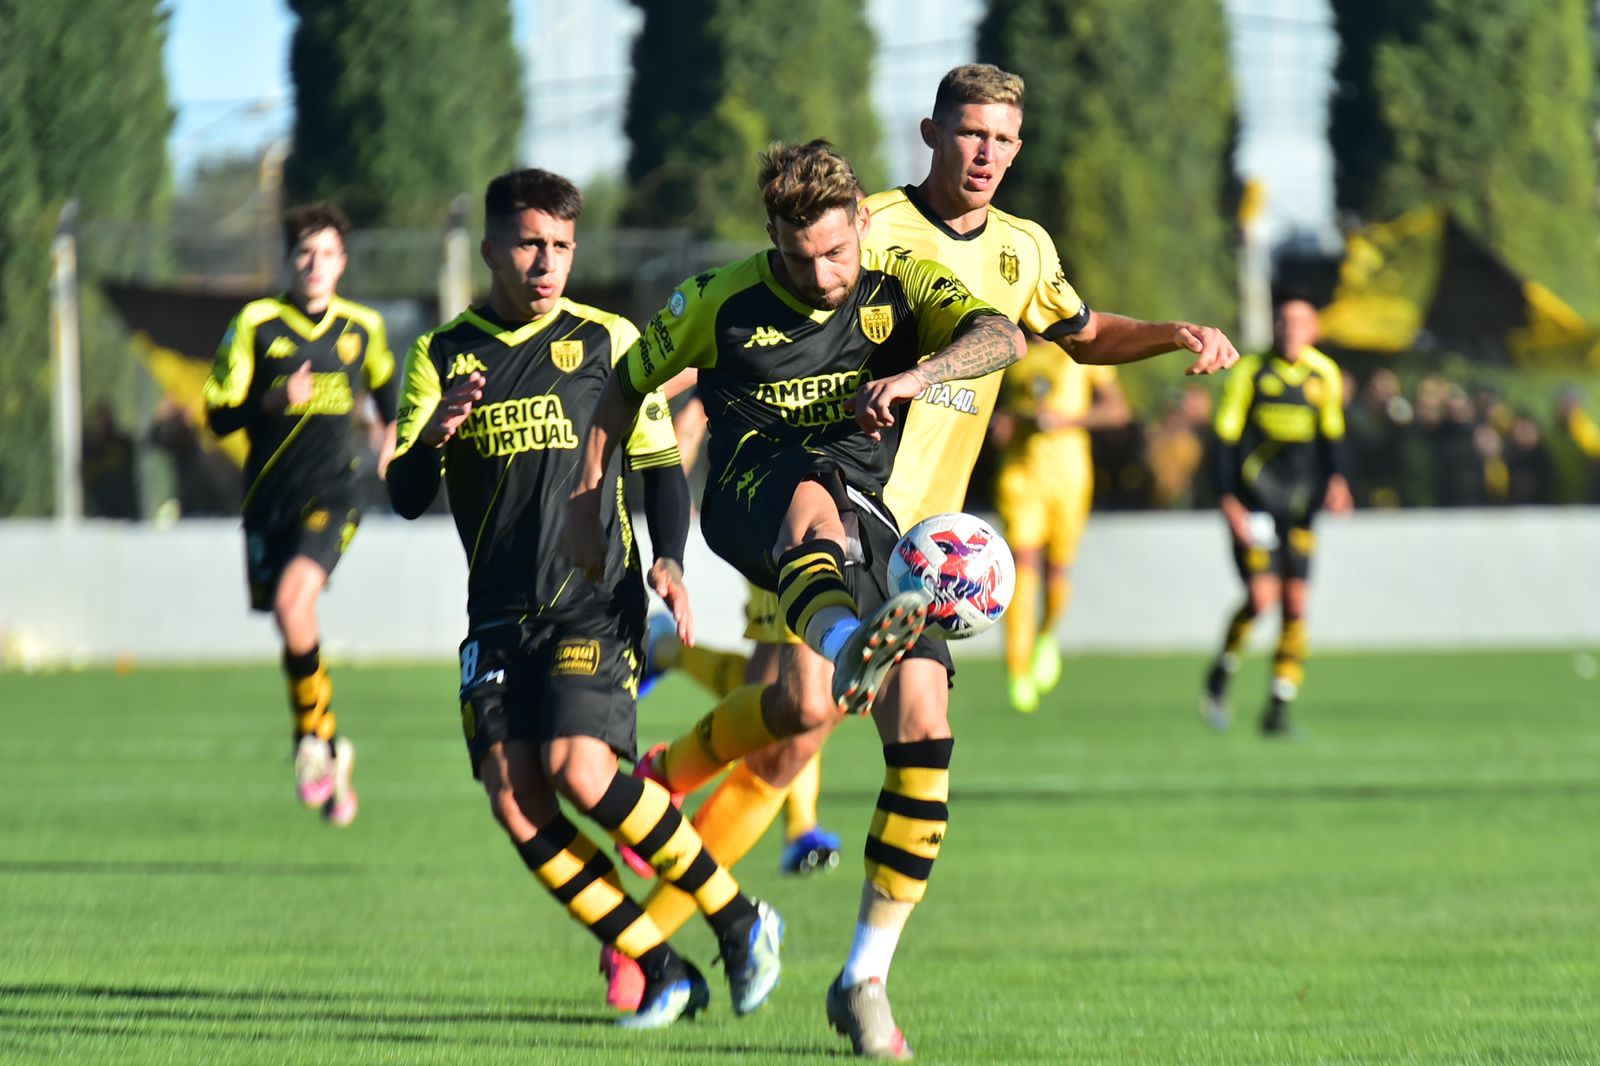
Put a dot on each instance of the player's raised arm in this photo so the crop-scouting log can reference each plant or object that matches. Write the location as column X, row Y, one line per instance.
column 1111, row 340
column 988, row 342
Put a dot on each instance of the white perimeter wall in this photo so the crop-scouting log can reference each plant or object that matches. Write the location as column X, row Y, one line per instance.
column 1144, row 582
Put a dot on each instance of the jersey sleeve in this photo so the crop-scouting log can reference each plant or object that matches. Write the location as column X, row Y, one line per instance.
column 653, row 441
column 420, row 392
column 1054, row 310
column 227, row 388
column 941, row 301
column 680, row 335
column 1330, row 406
column 1101, row 377
column 379, row 364
column 1234, row 407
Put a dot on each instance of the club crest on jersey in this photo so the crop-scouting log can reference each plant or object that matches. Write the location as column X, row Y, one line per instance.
column 1010, row 265
column 349, row 347
column 281, row 348
column 877, row 322
column 566, row 355
column 1313, row 390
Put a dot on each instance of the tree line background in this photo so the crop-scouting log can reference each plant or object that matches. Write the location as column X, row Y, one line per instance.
column 1485, row 106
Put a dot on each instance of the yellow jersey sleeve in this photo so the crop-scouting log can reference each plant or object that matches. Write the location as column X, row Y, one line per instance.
column 235, row 364
column 379, row 364
column 1101, row 377
column 680, row 335
column 420, row 392
column 1237, row 394
column 1330, row 399
column 1054, row 309
column 653, row 442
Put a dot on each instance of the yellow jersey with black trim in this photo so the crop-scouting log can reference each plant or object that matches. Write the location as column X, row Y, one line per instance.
column 1048, row 381
column 1008, row 262
column 306, row 450
column 510, row 466
column 1277, row 417
column 775, row 370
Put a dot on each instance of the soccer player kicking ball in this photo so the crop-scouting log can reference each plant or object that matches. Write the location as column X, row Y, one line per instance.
column 549, row 670
column 290, row 372
column 804, row 353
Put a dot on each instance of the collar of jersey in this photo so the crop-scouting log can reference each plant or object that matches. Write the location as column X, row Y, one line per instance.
column 764, row 268
column 512, row 338
column 914, row 198
column 296, row 319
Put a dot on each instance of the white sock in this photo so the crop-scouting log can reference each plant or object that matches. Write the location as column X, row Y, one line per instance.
column 1284, row 689
column 831, row 627
column 870, row 955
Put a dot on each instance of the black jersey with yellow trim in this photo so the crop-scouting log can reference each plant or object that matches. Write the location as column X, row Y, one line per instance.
column 307, row 450
column 511, row 465
column 1279, row 425
column 774, row 369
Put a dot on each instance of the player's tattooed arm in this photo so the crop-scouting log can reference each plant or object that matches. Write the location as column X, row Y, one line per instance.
column 989, row 343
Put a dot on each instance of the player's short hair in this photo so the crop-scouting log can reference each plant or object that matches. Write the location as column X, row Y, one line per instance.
column 801, row 183
column 303, row 219
column 976, row 83
column 530, row 189
column 1288, row 294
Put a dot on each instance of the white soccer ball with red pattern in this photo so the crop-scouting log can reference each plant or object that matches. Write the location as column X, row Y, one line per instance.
column 966, row 567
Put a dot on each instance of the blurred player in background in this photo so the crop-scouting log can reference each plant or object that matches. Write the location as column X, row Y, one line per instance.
column 290, row 373
column 1043, row 491
column 1280, row 459
column 549, row 669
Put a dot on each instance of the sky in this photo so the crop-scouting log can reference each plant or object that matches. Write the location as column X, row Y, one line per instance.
column 237, row 99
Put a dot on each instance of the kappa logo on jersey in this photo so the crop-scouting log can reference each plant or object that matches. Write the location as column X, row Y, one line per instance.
column 950, row 290
column 767, row 337
column 348, row 346
column 281, row 348
column 465, row 363
column 702, row 280
column 877, row 322
column 566, row 355
column 1010, row 265
column 576, row 658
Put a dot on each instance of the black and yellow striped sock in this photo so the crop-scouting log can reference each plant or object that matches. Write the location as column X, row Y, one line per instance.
column 640, row 814
column 581, row 877
column 1289, row 663
column 1239, row 630
column 810, row 580
column 310, row 694
column 913, row 811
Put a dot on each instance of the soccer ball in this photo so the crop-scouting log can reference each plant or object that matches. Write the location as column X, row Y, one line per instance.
column 961, row 562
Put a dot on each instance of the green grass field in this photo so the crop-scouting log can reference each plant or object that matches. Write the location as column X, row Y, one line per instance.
column 1416, row 880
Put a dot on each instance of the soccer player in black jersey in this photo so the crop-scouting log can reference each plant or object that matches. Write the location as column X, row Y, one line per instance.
column 492, row 403
column 1280, row 460
column 291, row 372
column 804, row 354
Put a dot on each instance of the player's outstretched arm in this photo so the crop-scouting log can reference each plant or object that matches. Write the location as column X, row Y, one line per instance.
column 989, row 342
column 1111, row 340
column 583, row 540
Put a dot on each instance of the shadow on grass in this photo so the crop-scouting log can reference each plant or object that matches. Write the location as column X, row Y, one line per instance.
column 141, row 1011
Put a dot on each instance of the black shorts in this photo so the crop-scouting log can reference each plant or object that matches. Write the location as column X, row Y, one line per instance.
column 743, row 510
column 1279, row 545
column 537, row 681
column 320, row 531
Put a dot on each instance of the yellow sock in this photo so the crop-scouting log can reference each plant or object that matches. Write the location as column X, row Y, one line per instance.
column 719, row 671
column 730, row 821
column 800, row 808
column 311, row 704
column 1022, row 622
column 732, row 730
column 1057, row 595
column 1289, row 664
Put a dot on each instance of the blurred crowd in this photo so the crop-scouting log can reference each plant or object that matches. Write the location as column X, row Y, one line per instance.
column 1439, row 443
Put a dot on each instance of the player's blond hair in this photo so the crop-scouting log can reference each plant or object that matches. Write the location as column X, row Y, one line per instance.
column 976, row 83
column 801, row 183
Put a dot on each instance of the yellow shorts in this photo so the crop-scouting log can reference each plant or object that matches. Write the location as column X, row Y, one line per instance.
column 763, row 622
column 1045, row 509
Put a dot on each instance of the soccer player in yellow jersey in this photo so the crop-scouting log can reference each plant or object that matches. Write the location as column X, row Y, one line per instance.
column 290, row 372
column 1280, row 429
column 974, row 133
column 1043, row 491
